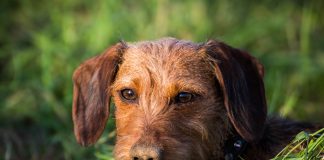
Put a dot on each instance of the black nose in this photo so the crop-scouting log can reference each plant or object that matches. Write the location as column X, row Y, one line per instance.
column 145, row 152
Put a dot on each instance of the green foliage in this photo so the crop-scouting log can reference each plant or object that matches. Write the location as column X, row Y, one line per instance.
column 304, row 147
column 42, row 42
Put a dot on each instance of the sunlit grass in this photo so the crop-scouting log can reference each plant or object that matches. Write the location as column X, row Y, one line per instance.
column 305, row 146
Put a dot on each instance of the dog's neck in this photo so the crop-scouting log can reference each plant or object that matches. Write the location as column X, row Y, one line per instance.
column 278, row 133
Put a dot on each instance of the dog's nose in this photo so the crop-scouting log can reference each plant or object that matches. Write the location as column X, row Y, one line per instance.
column 145, row 152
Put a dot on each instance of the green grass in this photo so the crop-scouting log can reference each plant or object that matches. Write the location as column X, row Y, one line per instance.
column 42, row 42
column 305, row 146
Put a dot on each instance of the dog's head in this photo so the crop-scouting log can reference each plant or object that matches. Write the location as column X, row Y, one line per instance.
column 174, row 99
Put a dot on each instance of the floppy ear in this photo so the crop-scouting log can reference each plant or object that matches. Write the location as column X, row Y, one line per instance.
column 240, row 78
column 91, row 94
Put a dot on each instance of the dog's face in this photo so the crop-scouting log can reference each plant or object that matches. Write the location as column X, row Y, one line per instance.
column 166, row 98
column 174, row 99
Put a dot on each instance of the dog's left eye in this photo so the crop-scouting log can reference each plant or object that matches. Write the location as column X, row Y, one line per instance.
column 184, row 97
column 128, row 94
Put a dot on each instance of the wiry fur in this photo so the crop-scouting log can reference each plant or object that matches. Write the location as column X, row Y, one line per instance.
column 230, row 101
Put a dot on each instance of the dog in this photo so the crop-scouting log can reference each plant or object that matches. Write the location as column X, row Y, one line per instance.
column 178, row 99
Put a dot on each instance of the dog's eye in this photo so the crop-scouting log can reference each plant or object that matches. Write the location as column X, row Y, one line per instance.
column 128, row 94
column 184, row 97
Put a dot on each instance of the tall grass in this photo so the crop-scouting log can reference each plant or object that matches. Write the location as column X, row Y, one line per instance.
column 42, row 42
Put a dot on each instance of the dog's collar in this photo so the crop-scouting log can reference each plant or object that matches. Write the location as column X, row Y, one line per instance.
column 234, row 147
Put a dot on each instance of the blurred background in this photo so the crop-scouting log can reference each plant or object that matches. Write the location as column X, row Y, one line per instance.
column 42, row 42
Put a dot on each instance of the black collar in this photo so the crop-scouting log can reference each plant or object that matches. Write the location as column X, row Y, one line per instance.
column 234, row 147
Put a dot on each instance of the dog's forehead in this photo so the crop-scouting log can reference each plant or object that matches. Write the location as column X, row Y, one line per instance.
column 164, row 62
column 164, row 55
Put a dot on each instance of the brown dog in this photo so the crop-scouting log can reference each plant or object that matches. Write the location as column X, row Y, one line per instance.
column 178, row 100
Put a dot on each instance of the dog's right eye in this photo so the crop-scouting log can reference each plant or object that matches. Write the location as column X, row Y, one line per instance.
column 128, row 94
column 184, row 97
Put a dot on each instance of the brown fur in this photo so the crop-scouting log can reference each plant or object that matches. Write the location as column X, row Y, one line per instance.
column 230, row 100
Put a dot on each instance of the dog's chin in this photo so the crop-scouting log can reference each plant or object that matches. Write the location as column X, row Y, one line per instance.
column 175, row 154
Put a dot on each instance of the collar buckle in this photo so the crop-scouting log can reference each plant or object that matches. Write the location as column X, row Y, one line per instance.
column 234, row 147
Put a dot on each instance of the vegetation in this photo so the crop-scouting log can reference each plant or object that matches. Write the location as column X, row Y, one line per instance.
column 304, row 147
column 42, row 42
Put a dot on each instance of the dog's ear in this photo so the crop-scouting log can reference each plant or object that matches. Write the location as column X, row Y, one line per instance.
column 240, row 78
column 91, row 94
